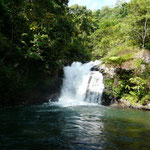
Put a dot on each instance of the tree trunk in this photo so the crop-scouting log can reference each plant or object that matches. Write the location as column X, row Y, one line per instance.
column 145, row 33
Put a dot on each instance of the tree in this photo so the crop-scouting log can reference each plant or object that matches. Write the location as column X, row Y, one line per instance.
column 35, row 37
column 139, row 21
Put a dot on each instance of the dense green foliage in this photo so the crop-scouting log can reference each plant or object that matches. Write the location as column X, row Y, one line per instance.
column 121, row 40
column 122, row 28
column 37, row 38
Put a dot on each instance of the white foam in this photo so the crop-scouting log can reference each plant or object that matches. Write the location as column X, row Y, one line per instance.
column 76, row 83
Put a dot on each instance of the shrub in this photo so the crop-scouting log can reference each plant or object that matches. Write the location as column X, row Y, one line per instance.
column 118, row 59
column 145, row 99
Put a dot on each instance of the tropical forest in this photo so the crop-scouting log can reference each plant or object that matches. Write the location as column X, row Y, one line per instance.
column 73, row 77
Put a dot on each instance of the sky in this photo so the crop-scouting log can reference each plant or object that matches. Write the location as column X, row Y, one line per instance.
column 94, row 4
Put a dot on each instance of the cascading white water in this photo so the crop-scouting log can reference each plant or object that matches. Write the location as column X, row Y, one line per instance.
column 81, row 85
column 95, row 88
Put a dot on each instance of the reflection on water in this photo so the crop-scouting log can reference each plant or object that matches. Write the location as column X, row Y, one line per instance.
column 81, row 127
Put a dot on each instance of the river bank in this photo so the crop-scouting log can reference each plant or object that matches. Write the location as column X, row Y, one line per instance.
column 122, row 103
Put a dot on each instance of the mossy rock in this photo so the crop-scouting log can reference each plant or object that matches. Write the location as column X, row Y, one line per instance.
column 118, row 59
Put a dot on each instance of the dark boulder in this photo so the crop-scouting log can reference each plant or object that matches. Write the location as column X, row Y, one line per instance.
column 54, row 97
column 107, row 97
column 95, row 68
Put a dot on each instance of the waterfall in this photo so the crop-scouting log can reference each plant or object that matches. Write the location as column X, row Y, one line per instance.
column 81, row 85
column 95, row 88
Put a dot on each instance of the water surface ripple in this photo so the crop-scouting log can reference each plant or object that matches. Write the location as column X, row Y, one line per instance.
column 73, row 128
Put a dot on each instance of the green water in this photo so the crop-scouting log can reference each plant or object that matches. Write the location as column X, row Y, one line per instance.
column 48, row 127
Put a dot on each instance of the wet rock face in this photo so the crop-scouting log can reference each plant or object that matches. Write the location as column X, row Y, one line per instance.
column 107, row 99
column 106, row 71
column 54, row 97
column 95, row 68
column 109, row 73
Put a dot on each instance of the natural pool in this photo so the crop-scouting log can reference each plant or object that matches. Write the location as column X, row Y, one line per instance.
column 48, row 127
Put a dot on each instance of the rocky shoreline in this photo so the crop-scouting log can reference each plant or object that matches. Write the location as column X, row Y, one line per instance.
column 122, row 103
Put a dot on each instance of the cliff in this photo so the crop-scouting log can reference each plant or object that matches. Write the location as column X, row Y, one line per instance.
column 127, row 80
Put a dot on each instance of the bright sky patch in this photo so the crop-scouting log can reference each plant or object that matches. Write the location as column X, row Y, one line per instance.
column 94, row 4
